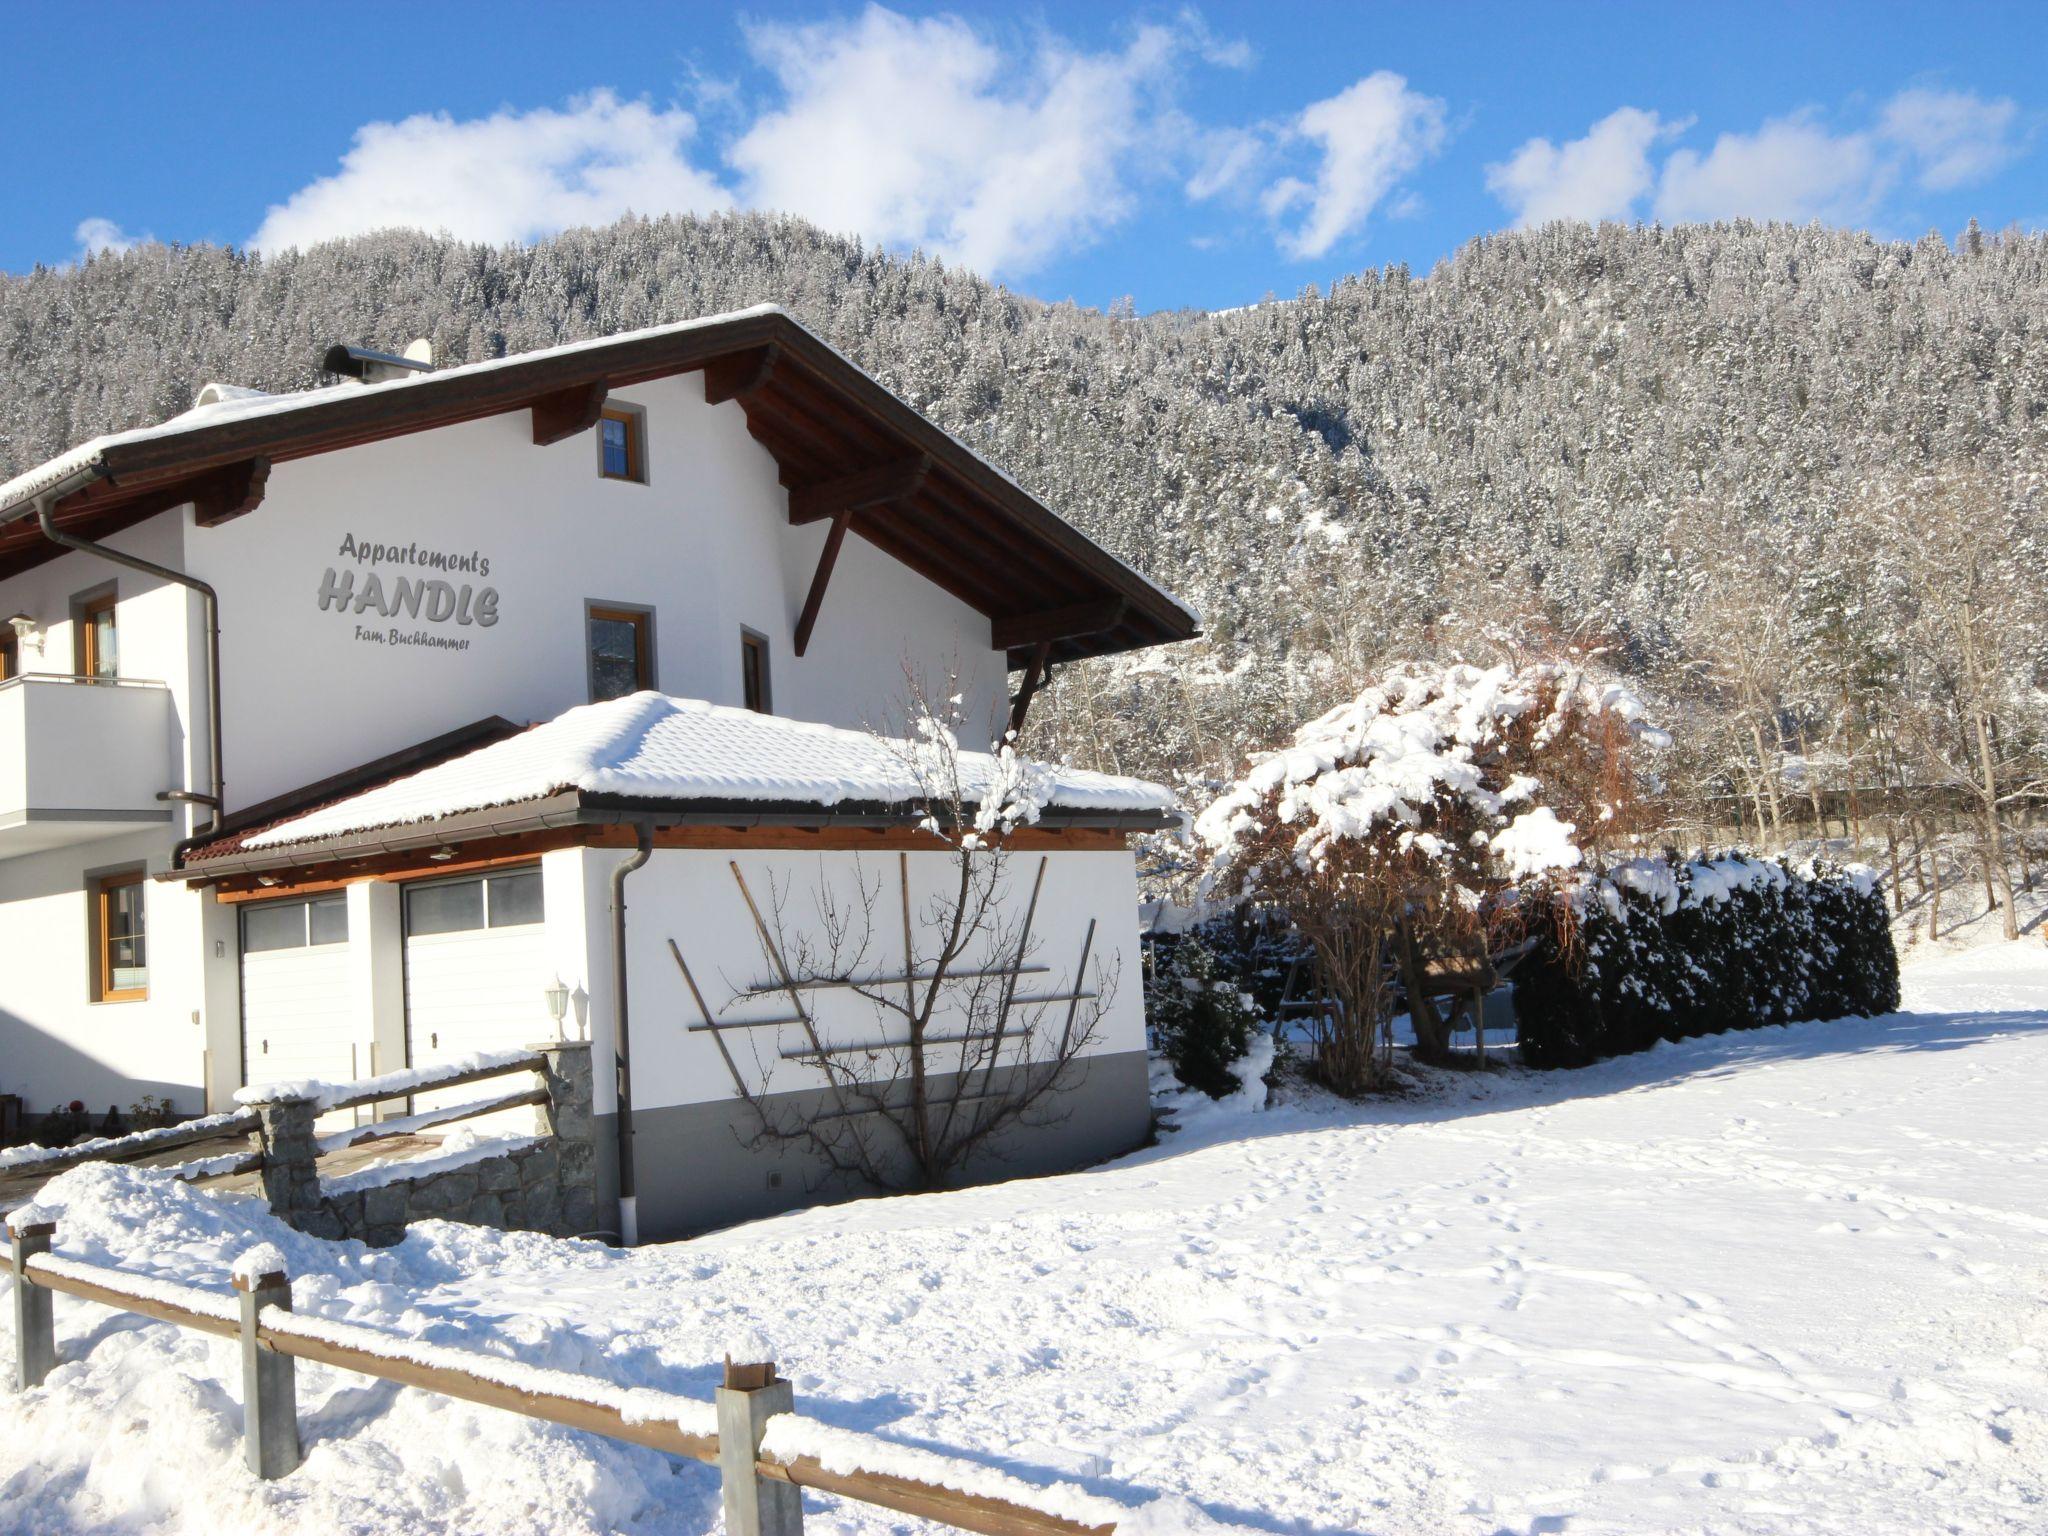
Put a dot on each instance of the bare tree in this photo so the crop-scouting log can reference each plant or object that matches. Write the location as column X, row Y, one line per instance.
column 962, row 1039
column 1974, row 636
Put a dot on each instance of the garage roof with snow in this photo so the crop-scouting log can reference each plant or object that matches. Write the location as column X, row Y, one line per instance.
column 650, row 754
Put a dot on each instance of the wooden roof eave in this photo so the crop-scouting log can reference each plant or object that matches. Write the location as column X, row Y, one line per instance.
column 572, row 809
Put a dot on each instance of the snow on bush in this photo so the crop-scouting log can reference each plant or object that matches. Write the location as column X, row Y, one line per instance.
column 1420, row 822
column 1432, row 756
column 1664, row 948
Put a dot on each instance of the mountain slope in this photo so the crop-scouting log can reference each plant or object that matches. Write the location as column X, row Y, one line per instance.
column 1516, row 436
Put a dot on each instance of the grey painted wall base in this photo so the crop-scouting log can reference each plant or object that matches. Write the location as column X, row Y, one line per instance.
column 702, row 1166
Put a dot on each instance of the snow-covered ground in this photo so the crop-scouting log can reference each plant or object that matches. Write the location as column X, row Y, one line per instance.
column 1793, row 1281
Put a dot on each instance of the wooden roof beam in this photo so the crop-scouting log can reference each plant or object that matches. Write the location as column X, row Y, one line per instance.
column 230, row 491
column 567, row 412
column 1035, row 676
column 815, row 599
column 863, row 488
column 740, row 375
column 1068, row 623
column 218, row 494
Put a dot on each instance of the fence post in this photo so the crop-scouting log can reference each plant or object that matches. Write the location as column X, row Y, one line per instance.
column 270, row 1409
column 567, row 1118
column 35, row 1320
column 754, row 1506
column 291, row 1172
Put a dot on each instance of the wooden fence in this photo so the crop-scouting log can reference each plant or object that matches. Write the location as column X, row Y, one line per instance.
column 761, row 1482
column 228, row 1143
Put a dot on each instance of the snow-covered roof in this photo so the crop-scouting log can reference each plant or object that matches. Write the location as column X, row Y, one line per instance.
column 653, row 747
column 236, row 403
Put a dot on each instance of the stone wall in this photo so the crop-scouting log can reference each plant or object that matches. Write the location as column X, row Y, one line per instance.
column 549, row 1186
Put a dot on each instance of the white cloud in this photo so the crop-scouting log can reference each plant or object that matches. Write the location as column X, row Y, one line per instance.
column 1600, row 176
column 1790, row 169
column 1227, row 158
column 923, row 132
column 510, row 176
column 1372, row 134
column 1955, row 137
column 97, row 236
column 1224, row 52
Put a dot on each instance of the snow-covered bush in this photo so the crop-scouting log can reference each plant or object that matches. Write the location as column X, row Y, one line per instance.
column 1665, row 948
column 1391, row 828
column 1199, row 1017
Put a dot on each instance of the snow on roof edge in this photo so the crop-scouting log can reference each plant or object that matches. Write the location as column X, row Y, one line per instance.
column 657, row 747
column 31, row 481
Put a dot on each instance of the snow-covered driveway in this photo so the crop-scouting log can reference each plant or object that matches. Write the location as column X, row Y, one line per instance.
column 1794, row 1281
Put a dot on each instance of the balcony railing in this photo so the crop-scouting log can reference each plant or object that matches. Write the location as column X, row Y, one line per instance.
column 82, row 758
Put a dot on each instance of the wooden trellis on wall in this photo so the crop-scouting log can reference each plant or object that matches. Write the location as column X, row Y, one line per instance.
column 803, row 1014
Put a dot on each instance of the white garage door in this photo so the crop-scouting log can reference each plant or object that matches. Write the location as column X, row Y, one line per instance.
column 474, row 979
column 297, row 1020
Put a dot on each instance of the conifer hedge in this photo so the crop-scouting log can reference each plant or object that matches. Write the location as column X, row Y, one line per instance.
column 1664, row 949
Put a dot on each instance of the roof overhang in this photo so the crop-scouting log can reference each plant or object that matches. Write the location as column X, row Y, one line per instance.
column 844, row 445
column 572, row 810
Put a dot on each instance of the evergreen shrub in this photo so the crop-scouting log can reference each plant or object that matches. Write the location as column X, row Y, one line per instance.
column 1205, row 992
column 1667, row 948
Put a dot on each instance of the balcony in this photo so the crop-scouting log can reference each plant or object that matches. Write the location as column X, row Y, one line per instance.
column 81, row 758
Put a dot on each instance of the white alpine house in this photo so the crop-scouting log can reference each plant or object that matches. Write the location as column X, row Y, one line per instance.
column 332, row 722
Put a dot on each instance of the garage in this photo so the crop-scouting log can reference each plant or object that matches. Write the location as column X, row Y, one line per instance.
column 297, row 1018
column 474, row 981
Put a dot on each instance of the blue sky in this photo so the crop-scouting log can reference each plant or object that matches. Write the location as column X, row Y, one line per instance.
column 1200, row 156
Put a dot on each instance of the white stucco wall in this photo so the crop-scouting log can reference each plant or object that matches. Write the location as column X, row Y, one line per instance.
column 706, row 544
column 689, row 895
column 56, row 1044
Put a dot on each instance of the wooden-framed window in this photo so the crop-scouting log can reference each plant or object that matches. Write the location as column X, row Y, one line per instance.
column 621, row 647
column 99, row 648
column 119, row 938
column 754, row 671
column 622, row 443
column 10, row 654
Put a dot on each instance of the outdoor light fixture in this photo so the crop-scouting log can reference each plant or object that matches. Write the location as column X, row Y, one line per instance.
column 26, row 630
column 557, row 994
column 442, row 854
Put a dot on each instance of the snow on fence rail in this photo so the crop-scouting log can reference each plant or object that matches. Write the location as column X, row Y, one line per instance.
column 121, row 1149
column 764, row 1449
column 327, row 1096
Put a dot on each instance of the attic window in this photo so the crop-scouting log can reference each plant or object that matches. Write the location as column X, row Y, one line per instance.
column 622, row 443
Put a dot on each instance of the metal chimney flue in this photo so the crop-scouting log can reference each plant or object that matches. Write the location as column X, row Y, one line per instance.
column 361, row 365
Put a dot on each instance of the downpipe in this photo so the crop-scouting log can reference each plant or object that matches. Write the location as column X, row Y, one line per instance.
column 209, row 602
column 622, row 1038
